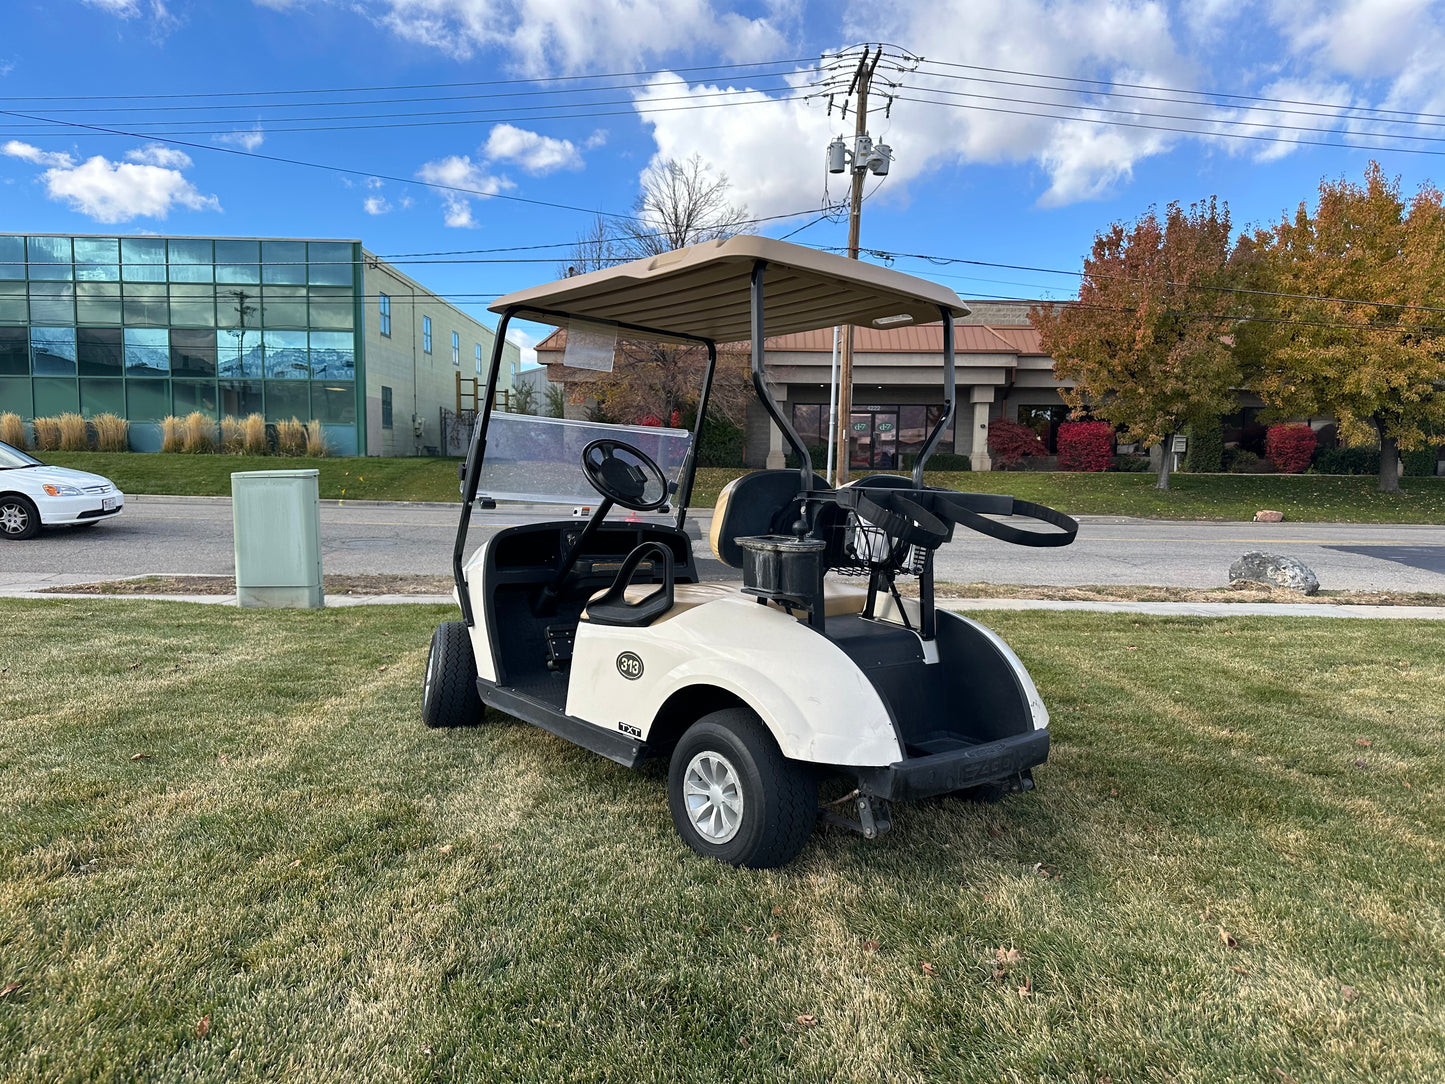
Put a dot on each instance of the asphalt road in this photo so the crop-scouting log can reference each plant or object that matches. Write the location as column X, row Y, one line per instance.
column 180, row 535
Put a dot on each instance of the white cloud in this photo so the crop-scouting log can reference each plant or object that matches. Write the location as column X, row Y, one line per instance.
column 158, row 154
column 460, row 172
column 544, row 36
column 124, row 9
column 120, row 191
column 248, row 139
column 160, row 16
column 25, row 151
column 375, row 205
column 535, row 153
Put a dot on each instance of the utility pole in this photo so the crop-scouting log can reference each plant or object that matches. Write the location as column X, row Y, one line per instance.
column 243, row 310
column 866, row 158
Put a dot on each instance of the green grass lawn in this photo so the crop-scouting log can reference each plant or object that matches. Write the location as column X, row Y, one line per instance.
column 1305, row 497
column 1302, row 497
column 230, row 851
column 341, row 477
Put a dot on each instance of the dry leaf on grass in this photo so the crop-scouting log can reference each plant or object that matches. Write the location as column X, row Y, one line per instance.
column 1363, row 741
column 999, row 974
column 445, row 848
column 1285, row 1076
column 807, row 1020
column 743, row 1042
column 1027, row 989
column 1043, row 871
column 379, row 669
column 777, row 911
column 1239, row 970
column 9, row 989
column 1007, row 956
column 870, row 946
column 1349, row 993
column 141, row 756
column 1228, row 938
column 773, row 937
column 1113, row 792
column 927, row 968
column 203, row 1026
column 1131, row 647
column 295, row 863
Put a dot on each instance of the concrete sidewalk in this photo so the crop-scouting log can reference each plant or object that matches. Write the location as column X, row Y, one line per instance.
column 1156, row 609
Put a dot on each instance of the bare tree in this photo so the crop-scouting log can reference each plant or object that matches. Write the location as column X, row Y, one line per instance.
column 681, row 204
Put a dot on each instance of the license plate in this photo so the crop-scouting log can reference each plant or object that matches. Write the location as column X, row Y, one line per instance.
column 107, row 504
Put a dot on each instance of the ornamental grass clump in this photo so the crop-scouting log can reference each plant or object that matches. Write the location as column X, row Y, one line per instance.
column 200, row 438
column 316, row 442
column 173, row 433
column 47, row 434
column 290, row 437
column 112, row 433
column 74, row 436
column 1290, row 447
column 233, row 436
column 253, row 440
column 12, row 430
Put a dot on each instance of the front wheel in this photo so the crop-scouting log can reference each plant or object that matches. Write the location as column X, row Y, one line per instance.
column 735, row 797
column 18, row 517
column 449, row 690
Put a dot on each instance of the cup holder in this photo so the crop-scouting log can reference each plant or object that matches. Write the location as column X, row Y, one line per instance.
column 783, row 569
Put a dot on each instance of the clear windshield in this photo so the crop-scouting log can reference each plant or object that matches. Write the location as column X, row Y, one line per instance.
column 14, row 457
column 540, row 459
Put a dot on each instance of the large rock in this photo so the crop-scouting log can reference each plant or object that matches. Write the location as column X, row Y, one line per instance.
column 1275, row 569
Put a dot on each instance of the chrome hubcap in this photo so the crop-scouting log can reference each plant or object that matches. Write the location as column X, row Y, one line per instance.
column 13, row 519
column 714, row 796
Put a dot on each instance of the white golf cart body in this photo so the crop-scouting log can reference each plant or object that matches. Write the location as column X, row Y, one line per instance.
column 604, row 634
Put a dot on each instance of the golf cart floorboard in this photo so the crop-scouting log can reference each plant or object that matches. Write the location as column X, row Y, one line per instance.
column 617, row 747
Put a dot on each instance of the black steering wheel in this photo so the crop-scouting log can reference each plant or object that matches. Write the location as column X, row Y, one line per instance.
column 624, row 475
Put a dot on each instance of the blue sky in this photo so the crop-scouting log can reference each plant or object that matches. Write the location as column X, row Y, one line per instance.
column 974, row 177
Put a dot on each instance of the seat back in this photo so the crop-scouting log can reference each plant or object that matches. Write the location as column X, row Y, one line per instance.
column 752, row 505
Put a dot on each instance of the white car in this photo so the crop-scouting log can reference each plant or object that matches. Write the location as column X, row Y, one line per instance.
column 34, row 495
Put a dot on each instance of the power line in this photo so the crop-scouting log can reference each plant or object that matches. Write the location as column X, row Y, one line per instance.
column 361, row 172
column 1173, row 128
column 633, row 110
column 1173, row 90
column 398, row 86
column 1331, row 110
column 947, row 260
column 1166, row 116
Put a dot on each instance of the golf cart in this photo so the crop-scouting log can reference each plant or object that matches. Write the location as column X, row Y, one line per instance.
column 816, row 664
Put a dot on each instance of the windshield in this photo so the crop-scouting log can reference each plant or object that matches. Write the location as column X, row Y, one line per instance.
column 13, row 457
column 529, row 458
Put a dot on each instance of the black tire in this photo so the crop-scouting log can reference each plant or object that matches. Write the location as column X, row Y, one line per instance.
column 19, row 518
column 779, row 796
column 449, row 689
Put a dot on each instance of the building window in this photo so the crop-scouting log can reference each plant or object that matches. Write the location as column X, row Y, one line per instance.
column 385, row 407
column 384, row 307
column 479, row 358
column 426, row 334
column 456, row 349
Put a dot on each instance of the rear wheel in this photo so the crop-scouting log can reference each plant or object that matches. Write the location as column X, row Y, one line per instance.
column 18, row 517
column 735, row 797
column 449, row 690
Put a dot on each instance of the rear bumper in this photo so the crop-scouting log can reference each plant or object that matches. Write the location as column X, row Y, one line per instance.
column 941, row 773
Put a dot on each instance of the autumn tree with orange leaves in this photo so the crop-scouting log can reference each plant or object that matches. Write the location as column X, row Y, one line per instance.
column 1354, row 303
column 1147, row 343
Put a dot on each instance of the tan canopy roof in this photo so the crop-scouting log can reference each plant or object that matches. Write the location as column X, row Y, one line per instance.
column 703, row 291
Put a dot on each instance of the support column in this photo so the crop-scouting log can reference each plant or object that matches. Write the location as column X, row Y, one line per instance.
column 777, row 460
column 982, row 398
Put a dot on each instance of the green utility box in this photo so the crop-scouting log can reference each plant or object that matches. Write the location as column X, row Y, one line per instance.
column 276, row 516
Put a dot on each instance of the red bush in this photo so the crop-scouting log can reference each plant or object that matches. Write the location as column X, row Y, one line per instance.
column 1008, row 442
column 1086, row 446
column 1290, row 447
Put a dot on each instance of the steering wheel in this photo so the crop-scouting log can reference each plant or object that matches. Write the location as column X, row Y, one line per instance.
column 624, row 475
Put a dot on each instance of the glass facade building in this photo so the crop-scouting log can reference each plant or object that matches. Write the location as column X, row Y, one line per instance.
column 145, row 327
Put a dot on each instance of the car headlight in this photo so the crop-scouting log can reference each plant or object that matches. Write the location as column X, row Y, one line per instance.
column 62, row 491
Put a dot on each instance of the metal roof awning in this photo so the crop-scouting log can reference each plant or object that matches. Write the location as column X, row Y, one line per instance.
column 703, row 292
